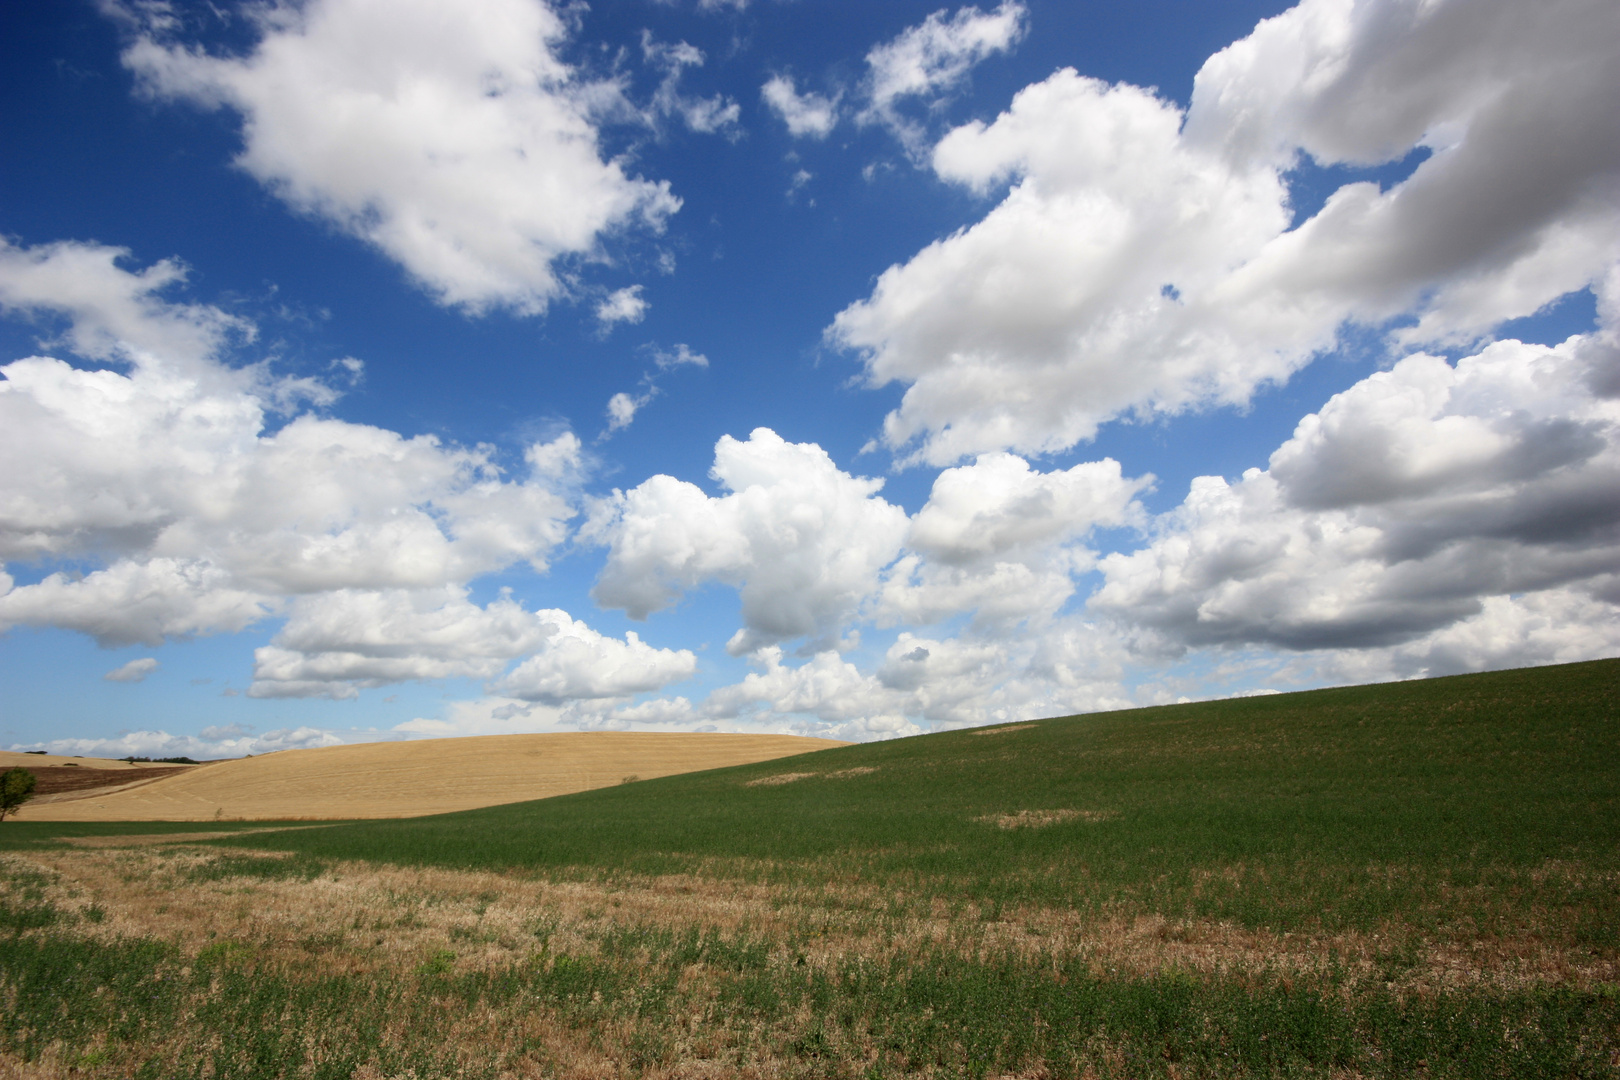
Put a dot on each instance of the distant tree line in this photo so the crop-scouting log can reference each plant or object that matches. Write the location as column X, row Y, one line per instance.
column 162, row 760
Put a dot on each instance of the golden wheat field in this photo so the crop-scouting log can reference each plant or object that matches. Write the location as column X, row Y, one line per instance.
column 397, row 779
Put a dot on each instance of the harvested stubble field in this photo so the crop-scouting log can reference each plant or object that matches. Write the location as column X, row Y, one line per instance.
column 1418, row 879
column 392, row 779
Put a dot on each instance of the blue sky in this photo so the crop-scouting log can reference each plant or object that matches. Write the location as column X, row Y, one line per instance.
column 415, row 369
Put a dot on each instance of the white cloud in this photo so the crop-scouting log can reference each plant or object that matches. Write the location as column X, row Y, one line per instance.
column 1432, row 519
column 999, row 539
column 930, row 59
column 825, row 689
column 1028, row 329
column 1069, row 666
column 1555, row 626
column 811, row 548
column 1143, row 260
column 623, row 406
column 113, row 313
column 483, row 716
column 338, row 643
column 1424, row 510
column 561, row 458
column 134, row 671
column 813, row 551
column 622, row 409
column 1000, row 505
column 711, row 115
column 138, row 602
column 622, row 306
column 922, row 683
column 203, row 522
column 802, row 540
column 183, row 471
column 451, row 138
column 1520, row 202
column 577, row 663
column 680, row 356
column 926, row 62
column 812, row 115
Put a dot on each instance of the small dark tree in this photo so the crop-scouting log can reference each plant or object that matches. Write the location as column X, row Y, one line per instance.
column 16, row 788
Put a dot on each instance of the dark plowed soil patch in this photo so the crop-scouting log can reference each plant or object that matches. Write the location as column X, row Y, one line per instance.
column 56, row 779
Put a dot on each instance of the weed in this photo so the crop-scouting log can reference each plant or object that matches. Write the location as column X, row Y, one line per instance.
column 437, row 965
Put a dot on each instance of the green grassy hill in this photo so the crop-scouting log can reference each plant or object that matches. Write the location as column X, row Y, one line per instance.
column 1334, row 807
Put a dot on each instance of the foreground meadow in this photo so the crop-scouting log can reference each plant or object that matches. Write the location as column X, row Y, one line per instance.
column 1420, row 879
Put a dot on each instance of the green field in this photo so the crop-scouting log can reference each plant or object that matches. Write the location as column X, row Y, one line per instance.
column 1408, row 879
column 1333, row 808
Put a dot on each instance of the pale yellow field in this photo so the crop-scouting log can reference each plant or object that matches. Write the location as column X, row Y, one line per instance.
column 10, row 758
column 407, row 779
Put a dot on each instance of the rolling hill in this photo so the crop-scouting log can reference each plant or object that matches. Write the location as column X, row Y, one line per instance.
column 1310, row 796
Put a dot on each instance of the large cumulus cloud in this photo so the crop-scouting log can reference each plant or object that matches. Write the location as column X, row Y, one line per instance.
column 179, row 510
column 1418, row 509
column 336, row 643
column 1145, row 260
column 451, row 137
column 1003, row 540
column 801, row 540
column 172, row 457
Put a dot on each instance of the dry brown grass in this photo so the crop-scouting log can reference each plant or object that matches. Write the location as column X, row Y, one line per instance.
column 777, row 779
column 376, row 917
column 383, row 922
column 1035, row 819
column 408, row 779
column 150, row 839
column 1003, row 730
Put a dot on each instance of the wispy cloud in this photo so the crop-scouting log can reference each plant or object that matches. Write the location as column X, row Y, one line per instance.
column 134, row 671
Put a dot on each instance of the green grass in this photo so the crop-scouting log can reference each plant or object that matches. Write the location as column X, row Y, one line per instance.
column 119, row 1004
column 1459, row 802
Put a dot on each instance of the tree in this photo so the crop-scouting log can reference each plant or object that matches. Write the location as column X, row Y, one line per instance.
column 16, row 788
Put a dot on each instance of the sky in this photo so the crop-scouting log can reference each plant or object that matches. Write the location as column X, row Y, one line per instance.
column 385, row 369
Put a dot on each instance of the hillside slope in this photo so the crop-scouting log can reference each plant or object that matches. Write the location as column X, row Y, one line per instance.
column 1344, row 804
